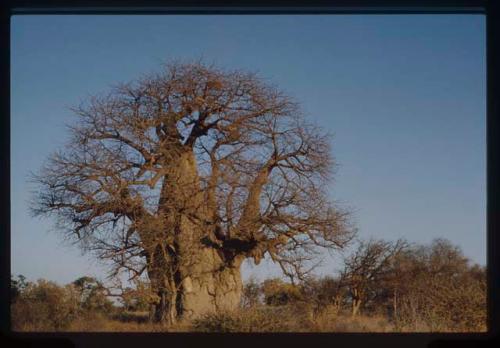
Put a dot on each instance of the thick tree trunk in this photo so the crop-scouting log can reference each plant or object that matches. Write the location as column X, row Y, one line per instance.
column 212, row 286
column 161, row 275
column 164, row 312
column 208, row 286
column 191, row 278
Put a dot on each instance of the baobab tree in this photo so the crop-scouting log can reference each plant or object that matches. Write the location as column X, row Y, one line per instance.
column 183, row 174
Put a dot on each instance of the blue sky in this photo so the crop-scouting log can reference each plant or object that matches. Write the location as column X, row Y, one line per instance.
column 404, row 97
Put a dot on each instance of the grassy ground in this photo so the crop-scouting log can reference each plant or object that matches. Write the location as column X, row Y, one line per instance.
column 248, row 320
column 239, row 322
column 255, row 319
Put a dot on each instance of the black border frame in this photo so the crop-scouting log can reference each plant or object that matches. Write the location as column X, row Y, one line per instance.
column 490, row 8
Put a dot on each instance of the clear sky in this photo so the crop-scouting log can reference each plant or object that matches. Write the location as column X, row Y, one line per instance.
column 404, row 97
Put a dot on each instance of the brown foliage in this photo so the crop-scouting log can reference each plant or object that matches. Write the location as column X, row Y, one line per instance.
column 278, row 293
column 44, row 306
column 439, row 291
column 369, row 266
column 428, row 288
column 186, row 173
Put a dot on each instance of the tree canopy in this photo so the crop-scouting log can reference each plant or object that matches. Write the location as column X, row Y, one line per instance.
column 190, row 158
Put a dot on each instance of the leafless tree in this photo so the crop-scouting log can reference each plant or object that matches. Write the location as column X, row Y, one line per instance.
column 325, row 293
column 185, row 173
column 438, row 289
column 369, row 264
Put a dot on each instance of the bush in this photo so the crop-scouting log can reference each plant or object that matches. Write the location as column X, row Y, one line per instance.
column 278, row 293
column 442, row 292
column 327, row 295
column 257, row 319
column 139, row 298
column 92, row 295
column 251, row 294
column 44, row 306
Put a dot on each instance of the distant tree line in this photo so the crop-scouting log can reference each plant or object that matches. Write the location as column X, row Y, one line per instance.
column 414, row 287
column 417, row 287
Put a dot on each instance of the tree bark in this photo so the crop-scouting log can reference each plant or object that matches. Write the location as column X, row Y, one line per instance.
column 210, row 285
column 190, row 278
column 356, row 302
column 160, row 272
column 355, row 307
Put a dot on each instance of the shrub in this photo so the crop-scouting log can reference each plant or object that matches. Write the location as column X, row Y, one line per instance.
column 327, row 295
column 92, row 295
column 278, row 293
column 258, row 319
column 251, row 293
column 441, row 292
column 44, row 306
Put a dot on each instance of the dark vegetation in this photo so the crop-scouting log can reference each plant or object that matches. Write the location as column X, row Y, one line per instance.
column 383, row 286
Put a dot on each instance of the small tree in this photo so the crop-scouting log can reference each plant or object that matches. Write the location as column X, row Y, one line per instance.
column 368, row 265
column 251, row 293
column 93, row 295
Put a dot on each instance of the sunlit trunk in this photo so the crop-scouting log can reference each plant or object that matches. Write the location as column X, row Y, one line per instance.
column 356, row 302
column 199, row 279
column 210, row 286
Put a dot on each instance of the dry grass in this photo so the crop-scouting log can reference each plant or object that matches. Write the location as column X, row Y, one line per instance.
column 255, row 319
column 123, row 322
column 289, row 319
column 435, row 290
column 263, row 319
column 346, row 323
column 296, row 317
